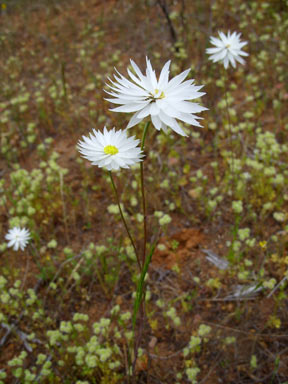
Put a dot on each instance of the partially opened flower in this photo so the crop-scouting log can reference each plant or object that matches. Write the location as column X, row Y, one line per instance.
column 18, row 238
column 163, row 99
column 228, row 49
column 110, row 149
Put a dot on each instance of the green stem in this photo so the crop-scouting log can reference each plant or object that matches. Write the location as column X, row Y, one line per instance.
column 143, row 194
column 230, row 138
column 140, row 285
column 123, row 218
column 140, row 292
column 64, row 83
column 144, row 135
column 140, row 302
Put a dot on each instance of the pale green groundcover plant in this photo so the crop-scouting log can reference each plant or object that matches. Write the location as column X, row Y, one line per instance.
column 164, row 101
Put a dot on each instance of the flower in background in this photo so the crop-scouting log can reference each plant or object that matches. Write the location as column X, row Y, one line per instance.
column 18, row 238
column 228, row 49
column 163, row 99
column 110, row 149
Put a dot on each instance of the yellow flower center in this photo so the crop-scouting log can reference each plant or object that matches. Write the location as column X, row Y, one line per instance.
column 110, row 150
column 155, row 95
column 228, row 45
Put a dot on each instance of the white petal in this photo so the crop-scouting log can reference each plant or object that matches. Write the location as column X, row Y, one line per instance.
column 154, row 109
column 217, row 42
column 164, row 76
column 150, row 74
column 240, row 60
column 156, row 122
column 11, row 243
column 145, row 112
column 226, row 62
column 177, row 79
column 130, row 107
column 176, row 127
column 214, row 50
column 133, row 121
column 167, row 119
column 188, row 107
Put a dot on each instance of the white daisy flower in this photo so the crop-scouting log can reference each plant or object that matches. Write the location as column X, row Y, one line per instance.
column 18, row 238
column 228, row 49
column 110, row 149
column 163, row 99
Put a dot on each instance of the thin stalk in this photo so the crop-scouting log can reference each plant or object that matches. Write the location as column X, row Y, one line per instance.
column 230, row 138
column 143, row 194
column 139, row 303
column 123, row 218
column 144, row 135
column 140, row 286
column 64, row 209
column 33, row 251
column 64, row 82
column 141, row 289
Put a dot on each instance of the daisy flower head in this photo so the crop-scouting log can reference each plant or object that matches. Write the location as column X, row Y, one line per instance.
column 228, row 49
column 164, row 100
column 110, row 149
column 18, row 238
